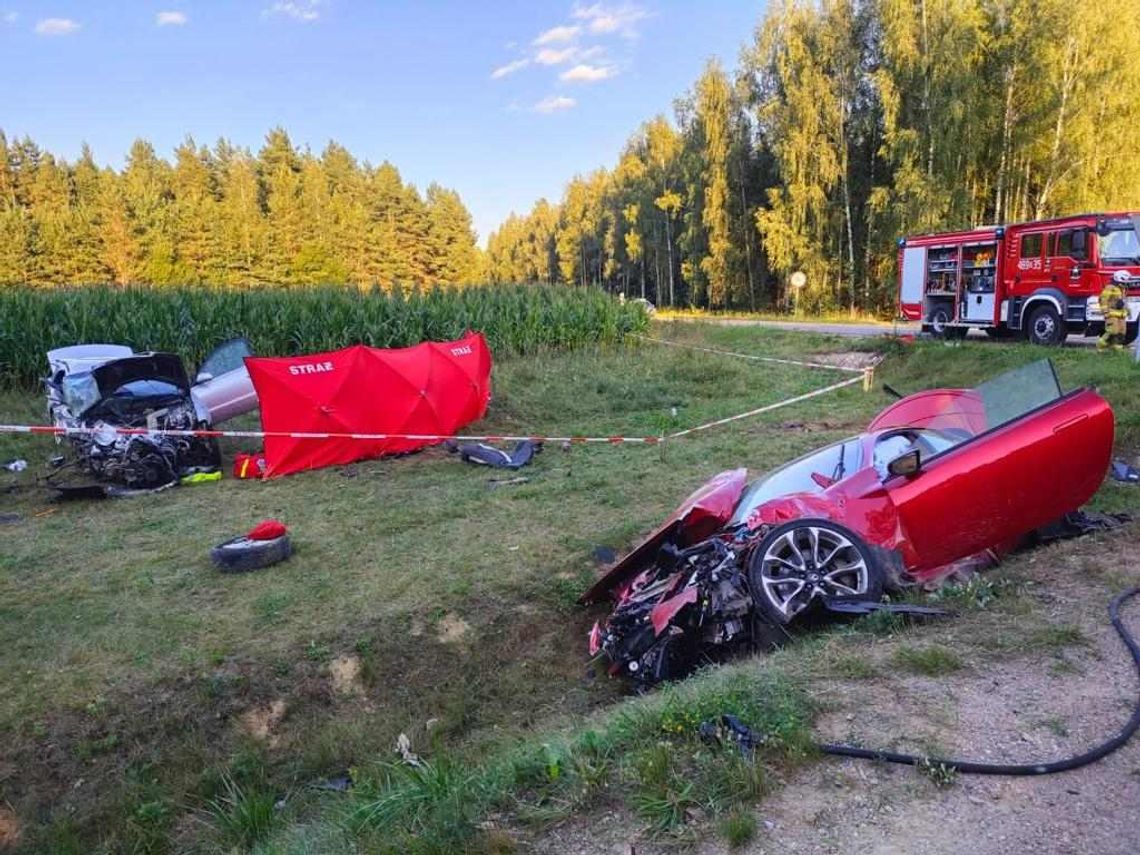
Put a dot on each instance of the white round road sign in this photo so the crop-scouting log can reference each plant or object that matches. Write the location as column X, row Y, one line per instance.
column 799, row 279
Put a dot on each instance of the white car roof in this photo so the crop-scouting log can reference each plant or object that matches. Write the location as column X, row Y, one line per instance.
column 84, row 357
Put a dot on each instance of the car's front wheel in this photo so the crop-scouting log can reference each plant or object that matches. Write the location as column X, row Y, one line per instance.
column 801, row 562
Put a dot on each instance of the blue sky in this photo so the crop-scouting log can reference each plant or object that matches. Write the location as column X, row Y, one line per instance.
column 503, row 101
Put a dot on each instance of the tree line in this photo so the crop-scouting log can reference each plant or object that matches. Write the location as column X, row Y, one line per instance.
column 224, row 216
column 848, row 124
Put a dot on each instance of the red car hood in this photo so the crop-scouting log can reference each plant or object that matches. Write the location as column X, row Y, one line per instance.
column 936, row 409
column 700, row 515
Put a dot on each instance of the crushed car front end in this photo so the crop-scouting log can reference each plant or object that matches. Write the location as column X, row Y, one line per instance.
column 146, row 392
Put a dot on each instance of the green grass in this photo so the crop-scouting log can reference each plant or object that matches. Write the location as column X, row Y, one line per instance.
column 127, row 655
column 241, row 817
column 644, row 752
column 1056, row 637
column 853, row 666
column 978, row 592
column 119, row 628
column 929, row 661
column 1055, row 725
column 738, row 828
column 941, row 775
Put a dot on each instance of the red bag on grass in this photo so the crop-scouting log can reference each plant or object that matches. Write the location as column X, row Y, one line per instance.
column 249, row 465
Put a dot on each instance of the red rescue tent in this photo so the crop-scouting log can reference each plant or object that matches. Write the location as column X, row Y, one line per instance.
column 430, row 388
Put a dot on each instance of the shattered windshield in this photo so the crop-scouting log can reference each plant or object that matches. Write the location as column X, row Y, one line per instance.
column 1120, row 247
column 80, row 391
column 829, row 465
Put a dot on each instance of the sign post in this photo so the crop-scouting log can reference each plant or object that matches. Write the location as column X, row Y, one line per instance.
column 798, row 279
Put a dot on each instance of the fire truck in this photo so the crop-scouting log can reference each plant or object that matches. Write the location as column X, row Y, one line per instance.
column 1040, row 280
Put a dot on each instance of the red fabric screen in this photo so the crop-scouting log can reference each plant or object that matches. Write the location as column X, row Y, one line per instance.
column 430, row 388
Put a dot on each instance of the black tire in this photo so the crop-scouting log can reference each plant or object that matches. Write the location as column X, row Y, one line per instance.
column 1045, row 327
column 770, row 571
column 242, row 554
column 939, row 320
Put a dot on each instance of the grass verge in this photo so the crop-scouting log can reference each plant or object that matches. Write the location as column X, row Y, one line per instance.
column 418, row 593
column 644, row 753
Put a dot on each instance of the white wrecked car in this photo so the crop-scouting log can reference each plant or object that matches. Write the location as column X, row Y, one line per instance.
column 103, row 387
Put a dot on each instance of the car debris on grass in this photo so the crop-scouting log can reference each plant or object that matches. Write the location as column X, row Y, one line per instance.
column 267, row 543
column 482, row 454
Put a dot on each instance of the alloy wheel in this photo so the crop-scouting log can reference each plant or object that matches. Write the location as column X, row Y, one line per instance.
column 807, row 562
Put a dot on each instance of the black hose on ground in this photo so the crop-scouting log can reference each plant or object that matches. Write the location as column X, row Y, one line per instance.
column 969, row 767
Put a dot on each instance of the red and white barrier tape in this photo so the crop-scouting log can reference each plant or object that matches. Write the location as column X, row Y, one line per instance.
column 800, row 363
column 280, row 434
column 767, row 409
column 424, row 437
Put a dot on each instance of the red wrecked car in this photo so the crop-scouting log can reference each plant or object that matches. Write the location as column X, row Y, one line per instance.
column 939, row 476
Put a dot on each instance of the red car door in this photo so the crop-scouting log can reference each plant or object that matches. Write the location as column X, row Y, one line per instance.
column 1006, row 482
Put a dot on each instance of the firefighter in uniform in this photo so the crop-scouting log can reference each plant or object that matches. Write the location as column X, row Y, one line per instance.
column 1115, row 312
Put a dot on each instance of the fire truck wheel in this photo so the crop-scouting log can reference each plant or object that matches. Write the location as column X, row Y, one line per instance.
column 1045, row 326
column 939, row 320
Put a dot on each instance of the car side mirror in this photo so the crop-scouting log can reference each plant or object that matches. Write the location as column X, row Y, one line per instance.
column 203, row 377
column 1079, row 243
column 906, row 464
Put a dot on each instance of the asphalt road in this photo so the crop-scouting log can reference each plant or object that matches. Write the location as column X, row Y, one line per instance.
column 852, row 330
column 860, row 330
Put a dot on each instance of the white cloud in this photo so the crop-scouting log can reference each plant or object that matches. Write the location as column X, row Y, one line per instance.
column 171, row 19
column 583, row 73
column 509, row 68
column 558, row 34
column 306, row 11
column 555, row 56
column 602, row 19
column 554, row 104
column 558, row 56
column 56, row 27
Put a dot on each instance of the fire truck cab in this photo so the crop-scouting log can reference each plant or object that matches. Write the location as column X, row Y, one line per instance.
column 1040, row 279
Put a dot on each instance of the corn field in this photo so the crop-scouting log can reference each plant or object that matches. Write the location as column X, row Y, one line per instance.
column 189, row 321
